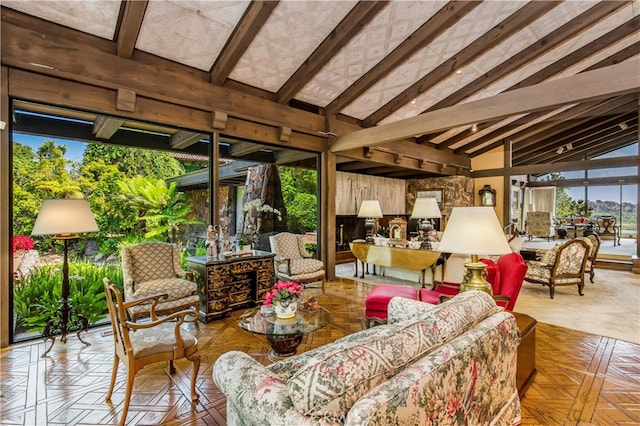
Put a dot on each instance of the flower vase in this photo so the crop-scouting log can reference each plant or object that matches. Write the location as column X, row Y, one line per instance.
column 284, row 312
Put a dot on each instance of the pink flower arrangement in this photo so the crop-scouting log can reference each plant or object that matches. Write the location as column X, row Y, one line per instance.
column 284, row 292
column 22, row 242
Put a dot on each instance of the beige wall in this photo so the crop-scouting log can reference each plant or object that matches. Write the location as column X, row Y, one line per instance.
column 493, row 159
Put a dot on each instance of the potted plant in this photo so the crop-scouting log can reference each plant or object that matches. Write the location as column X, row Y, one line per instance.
column 284, row 297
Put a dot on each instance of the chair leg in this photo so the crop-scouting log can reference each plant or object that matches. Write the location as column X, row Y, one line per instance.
column 172, row 368
column 592, row 274
column 195, row 359
column 552, row 290
column 114, row 373
column 131, row 374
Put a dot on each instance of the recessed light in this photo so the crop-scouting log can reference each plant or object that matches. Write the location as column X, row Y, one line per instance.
column 459, row 71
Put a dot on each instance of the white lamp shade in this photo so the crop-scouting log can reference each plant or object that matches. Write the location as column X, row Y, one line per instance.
column 426, row 208
column 370, row 208
column 64, row 216
column 474, row 230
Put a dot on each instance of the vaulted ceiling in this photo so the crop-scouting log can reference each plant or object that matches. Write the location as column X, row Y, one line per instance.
column 374, row 63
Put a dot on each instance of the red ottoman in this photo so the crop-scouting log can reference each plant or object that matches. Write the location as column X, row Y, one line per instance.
column 378, row 299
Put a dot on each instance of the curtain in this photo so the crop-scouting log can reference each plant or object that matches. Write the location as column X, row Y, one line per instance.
column 540, row 199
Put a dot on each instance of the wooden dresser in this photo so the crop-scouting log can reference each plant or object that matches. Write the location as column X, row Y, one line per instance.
column 227, row 283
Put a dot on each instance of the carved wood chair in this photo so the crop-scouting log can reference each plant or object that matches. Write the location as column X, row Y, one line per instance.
column 560, row 266
column 152, row 268
column 593, row 241
column 138, row 344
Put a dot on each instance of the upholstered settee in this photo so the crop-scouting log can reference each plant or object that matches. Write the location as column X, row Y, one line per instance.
column 453, row 363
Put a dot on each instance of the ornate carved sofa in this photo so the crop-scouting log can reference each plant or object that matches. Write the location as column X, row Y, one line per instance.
column 431, row 364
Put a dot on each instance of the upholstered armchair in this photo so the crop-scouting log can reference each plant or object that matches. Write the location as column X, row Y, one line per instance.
column 505, row 276
column 593, row 241
column 539, row 224
column 561, row 266
column 293, row 262
column 152, row 268
column 141, row 344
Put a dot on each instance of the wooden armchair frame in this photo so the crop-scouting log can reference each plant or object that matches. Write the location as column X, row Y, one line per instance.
column 171, row 344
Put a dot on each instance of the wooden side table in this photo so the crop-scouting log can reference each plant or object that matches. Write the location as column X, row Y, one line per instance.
column 526, row 369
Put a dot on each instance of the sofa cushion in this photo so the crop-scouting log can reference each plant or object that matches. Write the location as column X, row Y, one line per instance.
column 304, row 266
column 337, row 375
column 341, row 373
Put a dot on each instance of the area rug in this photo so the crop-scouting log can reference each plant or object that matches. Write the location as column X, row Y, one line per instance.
column 610, row 306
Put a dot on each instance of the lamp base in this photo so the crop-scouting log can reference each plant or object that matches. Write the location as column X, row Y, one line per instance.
column 475, row 279
column 60, row 325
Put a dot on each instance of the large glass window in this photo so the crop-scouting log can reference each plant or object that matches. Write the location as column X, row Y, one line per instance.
column 149, row 182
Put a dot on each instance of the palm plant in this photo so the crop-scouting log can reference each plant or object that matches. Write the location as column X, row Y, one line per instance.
column 162, row 208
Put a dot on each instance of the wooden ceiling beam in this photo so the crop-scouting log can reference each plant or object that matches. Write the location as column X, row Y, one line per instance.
column 361, row 14
column 534, row 169
column 595, row 147
column 553, row 69
column 567, row 61
column 88, row 63
column 537, row 134
column 593, row 107
column 585, row 135
column 478, row 47
column 581, row 133
column 105, row 127
column 545, row 44
column 129, row 27
column 182, row 139
column 606, row 82
column 252, row 20
column 418, row 151
column 444, row 19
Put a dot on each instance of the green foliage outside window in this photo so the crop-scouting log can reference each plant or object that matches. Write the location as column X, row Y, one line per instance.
column 36, row 296
column 299, row 189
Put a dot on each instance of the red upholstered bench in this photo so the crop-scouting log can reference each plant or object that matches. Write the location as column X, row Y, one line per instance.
column 378, row 299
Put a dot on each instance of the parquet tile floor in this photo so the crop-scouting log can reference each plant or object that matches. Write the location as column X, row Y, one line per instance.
column 582, row 379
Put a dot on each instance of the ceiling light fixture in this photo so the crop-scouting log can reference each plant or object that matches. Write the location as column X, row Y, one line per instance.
column 623, row 126
column 459, row 71
column 474, row 127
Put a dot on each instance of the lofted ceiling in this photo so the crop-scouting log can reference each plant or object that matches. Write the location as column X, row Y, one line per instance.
column 374, row 63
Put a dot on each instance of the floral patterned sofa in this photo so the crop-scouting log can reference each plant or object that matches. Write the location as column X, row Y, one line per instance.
column 453, row 363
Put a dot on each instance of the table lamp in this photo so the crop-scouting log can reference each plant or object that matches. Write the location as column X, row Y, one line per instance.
column 64, row 219
column 473, row 231
column 370, row 210
column 425, row 209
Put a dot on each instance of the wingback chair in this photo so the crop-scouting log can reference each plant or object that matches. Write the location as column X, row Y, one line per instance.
column 152, row 268
column 505, row 276
column 561, row 266
column 539, row 224
column 293, row 262
column 593, row 241
column 141, row 344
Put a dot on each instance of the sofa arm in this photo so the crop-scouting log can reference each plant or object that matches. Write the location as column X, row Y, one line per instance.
column 254, row 393
column 402, row 309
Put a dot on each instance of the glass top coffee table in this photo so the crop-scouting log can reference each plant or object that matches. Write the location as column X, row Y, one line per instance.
column 284, row 335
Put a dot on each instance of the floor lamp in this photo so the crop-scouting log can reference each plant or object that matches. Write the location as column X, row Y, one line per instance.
column 64, row 219
column 425, row 209
column 474, row 231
